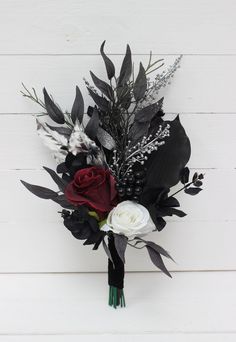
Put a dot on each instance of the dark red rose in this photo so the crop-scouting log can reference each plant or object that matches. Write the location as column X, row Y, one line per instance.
column 93, row 187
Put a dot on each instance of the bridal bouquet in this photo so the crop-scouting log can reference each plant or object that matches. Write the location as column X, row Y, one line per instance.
column 117, row 163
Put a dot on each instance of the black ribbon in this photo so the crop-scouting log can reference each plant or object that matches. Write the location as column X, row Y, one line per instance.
column 116, row 269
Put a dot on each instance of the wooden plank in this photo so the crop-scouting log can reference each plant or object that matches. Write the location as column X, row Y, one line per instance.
column 215, row 203
column 42, row 246
column 149, row 337
column 69, row 304
column 198, row 85
column 212, row 138
column 33, row 238
column 167, row 26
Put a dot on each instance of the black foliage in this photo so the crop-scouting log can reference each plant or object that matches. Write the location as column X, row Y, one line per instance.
column 40, row 191
column 160, row 205
column 140, row 85
column 61, row 130
column 154, row 246
column 108, row 63
column 126, row 68
column 107, row 251
column 124, row 96
column 52, row 109
column 77, row 111
column 192, row 191
column 93, row 124
column 74, row 163
column 62, row 201
column 83, row 226
column 165, row 165
column 104, row 87
column 184, row 175
column 105, row 139
column 120, row 245
column 100, row 101
column 157, row 260
column 61, row 183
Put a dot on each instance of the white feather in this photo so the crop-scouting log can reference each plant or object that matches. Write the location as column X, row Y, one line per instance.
column 53, row 140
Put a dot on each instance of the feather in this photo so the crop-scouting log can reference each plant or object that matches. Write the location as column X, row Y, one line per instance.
column 53, row 140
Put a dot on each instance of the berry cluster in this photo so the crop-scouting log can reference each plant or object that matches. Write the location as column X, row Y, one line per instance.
column 130, row 187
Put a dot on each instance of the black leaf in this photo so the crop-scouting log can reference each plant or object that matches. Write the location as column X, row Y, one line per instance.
column 201, row 176
column 146, row 114
column 62, row 201
column 77, row 111
column 52, row 109
column 61, row 183
column 121, row 244
column 192, row 191
column 198, row 183
column 170, row 202
column 108, row 63
column 100, row 101
column 40, row 191
column 106, row 249
column 105, row 88
column 140, row 84
column 176, row 212
column 184, row 175
column 61, row 130
column 156, row 247
column 126, row 68
column 105, row 139
column 157, row 260
column 195, row 177
column 93, row 124
column 61, row 168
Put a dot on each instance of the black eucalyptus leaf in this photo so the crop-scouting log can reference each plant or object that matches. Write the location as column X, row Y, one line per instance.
column 104, row 87
column 100, row 101
column 61, row 183
column 201, row 176
column 140, row 84
column 192, row 191
column 195, row 177
column 61, row 130
column 126, row 68
column 120, row 245
column 105, row 139
column 77, row 111
column 147, row 113
column 40, row 191
column 157, row 260
column 108, row 63
column 52, row 109
column 92, row 126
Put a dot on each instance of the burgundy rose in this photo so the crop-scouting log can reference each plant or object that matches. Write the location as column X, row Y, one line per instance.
column 93, row 187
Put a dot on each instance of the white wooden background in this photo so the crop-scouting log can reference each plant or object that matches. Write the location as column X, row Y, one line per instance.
column 47, row 289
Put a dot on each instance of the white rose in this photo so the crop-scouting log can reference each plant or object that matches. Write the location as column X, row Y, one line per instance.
column 130, row 219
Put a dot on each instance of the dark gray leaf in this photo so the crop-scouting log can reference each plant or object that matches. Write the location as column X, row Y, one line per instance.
column 92, row 126
column 108, row 63
column 106, row 249
column 195, row 177
column 105, row 139
column 198, row 183
column 146, row 114
column 100, row 101
column 140, row 84
column 52, row 109
column 77, row 111
column 126, row 68
column 120, row 244
column 40, row 191
column 62, row 201
column 157, row 260
column 105, row 88
column 184, row 176
column 61, row 183
column 61, row 130
column 156, row 247
column 192, row 191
